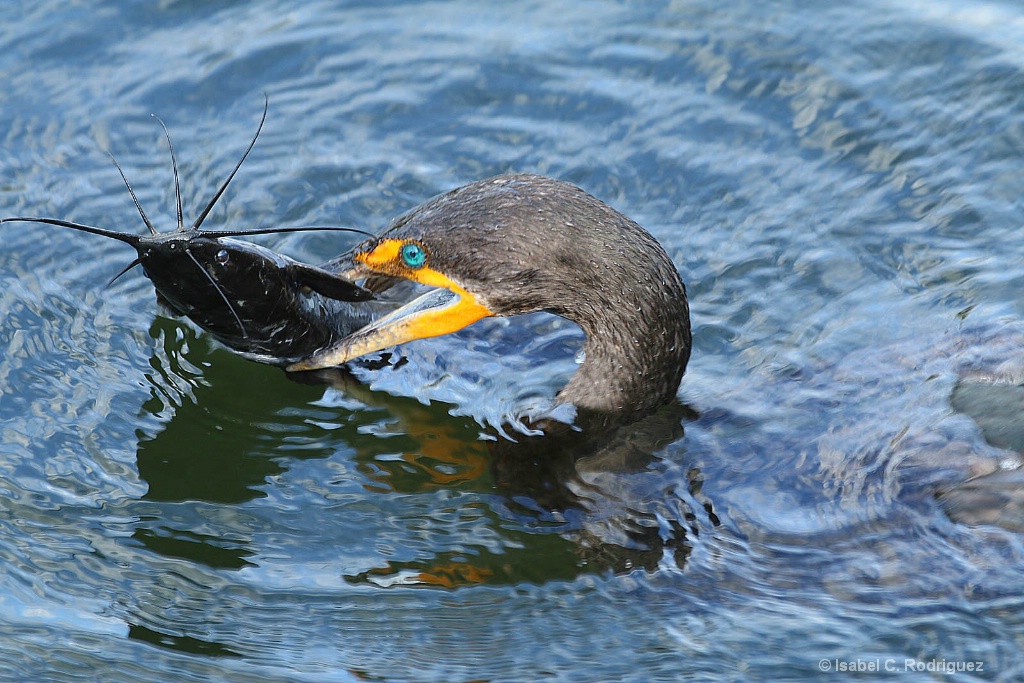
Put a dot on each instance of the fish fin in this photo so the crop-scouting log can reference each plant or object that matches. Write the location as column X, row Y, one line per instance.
column 329, row 284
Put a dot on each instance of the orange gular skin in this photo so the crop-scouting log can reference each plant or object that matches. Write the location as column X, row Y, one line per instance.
column 400, row 326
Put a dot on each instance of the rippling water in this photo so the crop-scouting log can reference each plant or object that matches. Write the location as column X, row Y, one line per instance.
column 838, row 185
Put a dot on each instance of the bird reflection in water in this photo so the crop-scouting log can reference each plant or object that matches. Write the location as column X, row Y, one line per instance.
column 563, row 504
column 590, row 488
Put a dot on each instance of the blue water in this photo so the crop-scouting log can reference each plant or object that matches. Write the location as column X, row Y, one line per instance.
column 839, row 185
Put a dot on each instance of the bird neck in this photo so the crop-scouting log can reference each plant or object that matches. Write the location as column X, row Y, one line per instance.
column 634, row 356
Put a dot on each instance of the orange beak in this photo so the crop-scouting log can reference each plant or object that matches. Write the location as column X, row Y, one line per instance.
column 443, row 310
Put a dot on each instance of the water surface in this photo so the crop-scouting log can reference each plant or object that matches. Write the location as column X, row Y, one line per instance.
column 838, row 185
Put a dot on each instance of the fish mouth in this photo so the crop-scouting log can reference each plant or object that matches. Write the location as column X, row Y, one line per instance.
column 438, row 312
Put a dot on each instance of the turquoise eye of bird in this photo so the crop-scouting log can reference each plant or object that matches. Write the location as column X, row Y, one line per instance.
column 413, row 255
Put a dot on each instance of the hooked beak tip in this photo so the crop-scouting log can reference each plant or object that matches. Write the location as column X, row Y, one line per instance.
column 300, row 366
column 315, row 362
column 439, row 311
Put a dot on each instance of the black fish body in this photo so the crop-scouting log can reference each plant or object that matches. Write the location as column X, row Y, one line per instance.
column 256, row 302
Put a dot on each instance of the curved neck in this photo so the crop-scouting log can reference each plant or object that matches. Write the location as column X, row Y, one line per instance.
column 635, row 355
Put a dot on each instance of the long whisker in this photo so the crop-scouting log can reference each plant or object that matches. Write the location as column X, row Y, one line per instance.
column 245, row 333
column 152, row 230
column 125, row 270
column 174, row 168
column 216, row 197
column 271, row 231
column 126, row 237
